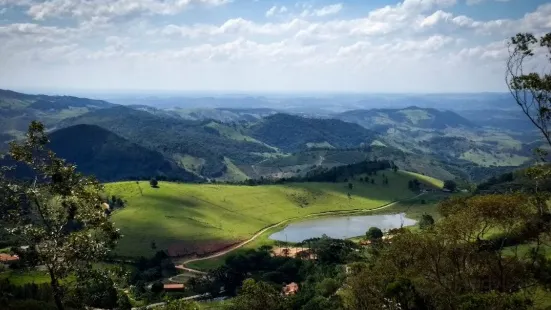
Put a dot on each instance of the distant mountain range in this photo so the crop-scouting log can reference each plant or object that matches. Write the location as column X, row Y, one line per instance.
column 227, row 143
column 416, row 117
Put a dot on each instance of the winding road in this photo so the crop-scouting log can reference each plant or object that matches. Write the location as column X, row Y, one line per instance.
column 182, row 265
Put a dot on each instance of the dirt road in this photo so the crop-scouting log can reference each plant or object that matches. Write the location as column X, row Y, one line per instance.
column 182, row 265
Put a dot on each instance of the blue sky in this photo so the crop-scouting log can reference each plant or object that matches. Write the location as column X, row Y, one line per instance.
column 257, row 45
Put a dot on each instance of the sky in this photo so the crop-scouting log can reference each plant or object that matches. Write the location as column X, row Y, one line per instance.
column 383, row 46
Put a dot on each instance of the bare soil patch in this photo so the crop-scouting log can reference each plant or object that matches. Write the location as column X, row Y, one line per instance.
column 199, row 248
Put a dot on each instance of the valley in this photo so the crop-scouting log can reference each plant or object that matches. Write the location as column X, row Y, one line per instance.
column 201, row 219
column 232, row 143
column 193, row 192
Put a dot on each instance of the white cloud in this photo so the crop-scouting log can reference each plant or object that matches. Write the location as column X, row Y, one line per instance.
column 112, row 8
column 474, row 2
column 271, row 11
column 297, row 49
column 328, row 10
column 276, row 10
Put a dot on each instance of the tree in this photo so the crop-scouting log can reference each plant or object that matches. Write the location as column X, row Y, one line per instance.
column 374, row 234
column 426, row 221
column 327, row 287
column 57, row 213
column 257, row 296
column 450, row 185
column 350, row 186
column 531, row 90
column 153, row 182
column 157, row 287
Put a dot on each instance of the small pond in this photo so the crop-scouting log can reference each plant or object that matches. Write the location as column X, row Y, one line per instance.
column 341, row 227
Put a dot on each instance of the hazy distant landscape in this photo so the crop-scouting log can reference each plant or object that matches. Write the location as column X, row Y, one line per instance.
column 275, row 155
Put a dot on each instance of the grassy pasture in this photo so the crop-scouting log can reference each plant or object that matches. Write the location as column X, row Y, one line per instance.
column 176, row 213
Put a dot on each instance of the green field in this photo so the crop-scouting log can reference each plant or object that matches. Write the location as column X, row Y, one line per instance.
column 176, row 213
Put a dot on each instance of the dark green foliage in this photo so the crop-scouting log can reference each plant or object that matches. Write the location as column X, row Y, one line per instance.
column 331, row 251
column 327, row 287
column 292, row 133
column 414, row 185
column 258, row 296
column 110, row 157
column 33, row 294
column 157, row 287
column 94, row 289
column 174, row 136
column 30, row 305
column 426, row 221
column 450, row 185
column 374, row 234
column 58, row 214
column 153, row 182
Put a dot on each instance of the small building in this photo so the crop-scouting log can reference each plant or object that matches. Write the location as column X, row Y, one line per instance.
column 172, row 287
column 290, row 289
column 8, row 259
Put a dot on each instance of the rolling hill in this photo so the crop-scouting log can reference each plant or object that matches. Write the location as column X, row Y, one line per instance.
column 17, row 110
column 177, row 139
column 415, row 117
column 180, row 216
column 109, row 157
column 292, row 133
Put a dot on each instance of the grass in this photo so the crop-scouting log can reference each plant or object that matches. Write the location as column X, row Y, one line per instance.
column 497, row 159
column 233, row 173
column 426, row 179
column 415, row 208
column 255, row 244
column 190, row 163
column 235, row 134
column 175, row 213
column 25, row 276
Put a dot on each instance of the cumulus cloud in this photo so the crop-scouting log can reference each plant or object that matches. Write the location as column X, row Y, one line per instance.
column 298, row 46
column 474, row 2
column 111, row 8
column 328, row 10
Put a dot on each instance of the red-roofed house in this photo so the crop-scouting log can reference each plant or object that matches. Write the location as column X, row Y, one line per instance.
column 8, row 259
column 290, row 289
column 173, row 287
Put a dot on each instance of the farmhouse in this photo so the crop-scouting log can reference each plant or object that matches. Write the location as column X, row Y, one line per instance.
column 173, row 287
column 290, row 289
column 8, row 259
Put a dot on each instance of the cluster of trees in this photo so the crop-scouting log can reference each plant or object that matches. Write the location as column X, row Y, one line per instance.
column 414, row 185
column 175, row 136
column 256, row 278
column 292, row 133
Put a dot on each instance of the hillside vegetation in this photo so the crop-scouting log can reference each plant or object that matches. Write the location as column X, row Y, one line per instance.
column 99, row 152
column 17, row 110
column 182, row 214
column 294, row 133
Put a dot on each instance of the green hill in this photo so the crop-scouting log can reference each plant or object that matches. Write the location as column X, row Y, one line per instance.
column 179, row 216
column 109, row 157
column 17, row 110
column 411, row 116
column 175, row 138
column 292, row 133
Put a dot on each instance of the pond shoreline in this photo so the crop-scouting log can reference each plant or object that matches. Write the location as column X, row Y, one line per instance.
column 182, row 264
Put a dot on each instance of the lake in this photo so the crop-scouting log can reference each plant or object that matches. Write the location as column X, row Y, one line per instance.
column 341, row 227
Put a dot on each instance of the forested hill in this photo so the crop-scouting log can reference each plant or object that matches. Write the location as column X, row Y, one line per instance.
column 412, row 116
column 17, row 110
column 175, row 138
column 97, row 151
column 292, row 133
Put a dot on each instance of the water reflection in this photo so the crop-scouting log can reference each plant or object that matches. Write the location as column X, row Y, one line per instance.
column 340, row 227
